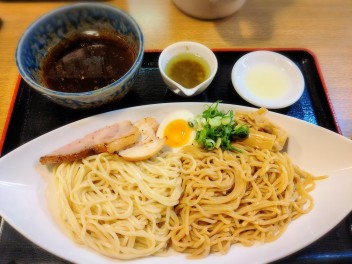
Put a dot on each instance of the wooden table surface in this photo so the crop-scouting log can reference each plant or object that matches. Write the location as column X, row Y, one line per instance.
column 322, row 26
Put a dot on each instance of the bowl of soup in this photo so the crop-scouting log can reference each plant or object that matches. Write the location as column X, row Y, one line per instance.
column 81, row 55
column 187, row 67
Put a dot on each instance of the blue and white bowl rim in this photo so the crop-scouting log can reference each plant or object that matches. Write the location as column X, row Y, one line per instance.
column 63, row 9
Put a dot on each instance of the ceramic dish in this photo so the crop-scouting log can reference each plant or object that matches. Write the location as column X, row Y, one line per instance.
column 267, row 79
column 198, row 50
column 25, row 200
column 64, row 22
column 209, row 9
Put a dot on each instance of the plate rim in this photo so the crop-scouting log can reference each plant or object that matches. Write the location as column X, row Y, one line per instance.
column 162, row 105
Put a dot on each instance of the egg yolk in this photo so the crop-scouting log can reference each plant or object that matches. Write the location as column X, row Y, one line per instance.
column 177, row 133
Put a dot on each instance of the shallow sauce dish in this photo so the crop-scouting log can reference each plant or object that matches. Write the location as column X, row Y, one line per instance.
column 267, row 79
column 28, row 184
column 61, row 24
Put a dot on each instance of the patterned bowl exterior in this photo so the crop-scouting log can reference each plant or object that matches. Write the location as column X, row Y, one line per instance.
column 50, row 29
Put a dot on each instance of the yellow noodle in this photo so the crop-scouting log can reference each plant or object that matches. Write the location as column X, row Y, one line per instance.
column 195, row 201
column 235, row 197
column 121, row 209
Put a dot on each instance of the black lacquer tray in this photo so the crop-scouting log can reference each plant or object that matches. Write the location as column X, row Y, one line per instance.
column 33, row 115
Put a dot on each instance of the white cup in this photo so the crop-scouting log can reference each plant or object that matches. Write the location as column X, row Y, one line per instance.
column 187, row 47
column 209, row 9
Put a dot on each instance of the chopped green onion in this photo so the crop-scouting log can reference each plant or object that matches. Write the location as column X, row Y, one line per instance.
column 218, row 143
column 209, row 143
column 226, row 120
column 216, row 129
column 215, row 121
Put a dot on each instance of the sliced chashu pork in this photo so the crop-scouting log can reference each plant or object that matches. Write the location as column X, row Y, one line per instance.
column 147, row 127
column 108, row 139
column 144, row 151
column 148, row 144
column 133, row 142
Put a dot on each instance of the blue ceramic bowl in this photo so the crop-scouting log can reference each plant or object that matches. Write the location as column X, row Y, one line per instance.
column 50, row 29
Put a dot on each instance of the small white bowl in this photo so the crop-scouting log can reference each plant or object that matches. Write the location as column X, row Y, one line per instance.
column 209, row 9
column 267, row 79
column 187, row 47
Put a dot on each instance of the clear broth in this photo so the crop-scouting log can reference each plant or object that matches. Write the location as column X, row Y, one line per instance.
column 188, row 69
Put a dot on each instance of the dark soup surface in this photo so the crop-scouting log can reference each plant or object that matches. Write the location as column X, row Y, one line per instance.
column 87, row 61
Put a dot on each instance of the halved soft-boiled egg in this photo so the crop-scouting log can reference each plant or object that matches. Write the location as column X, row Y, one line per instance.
column 176, row 129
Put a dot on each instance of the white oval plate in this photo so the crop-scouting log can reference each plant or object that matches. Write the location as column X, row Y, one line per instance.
column 24, row 183
column 283, row 66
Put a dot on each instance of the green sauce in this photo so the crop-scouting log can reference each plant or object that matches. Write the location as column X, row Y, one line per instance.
column 187, row 69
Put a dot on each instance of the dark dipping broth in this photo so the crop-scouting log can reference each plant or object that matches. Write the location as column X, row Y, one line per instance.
column 87, row 61
column 188, row 69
